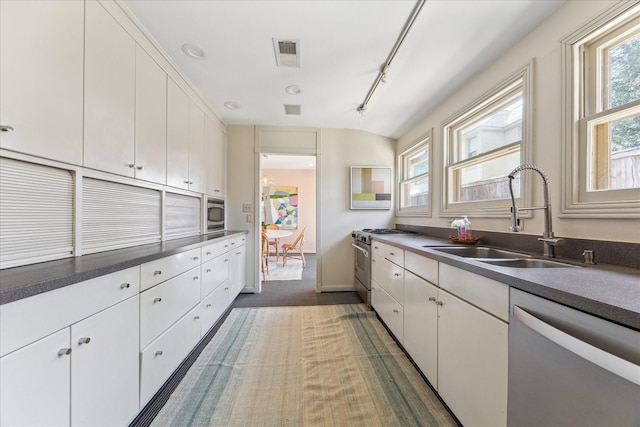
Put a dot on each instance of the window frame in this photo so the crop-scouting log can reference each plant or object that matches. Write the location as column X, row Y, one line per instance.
column 401, row 160
column 582, row 110
column 519, row 81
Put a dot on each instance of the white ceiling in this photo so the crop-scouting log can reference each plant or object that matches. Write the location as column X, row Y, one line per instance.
column 343, row 44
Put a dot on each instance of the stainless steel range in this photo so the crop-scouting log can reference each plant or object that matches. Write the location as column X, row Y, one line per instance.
column 362, row 256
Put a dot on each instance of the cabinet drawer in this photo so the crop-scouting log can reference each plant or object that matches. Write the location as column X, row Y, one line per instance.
column 421, row 266
column 377, row 248
column 162, row 305
column 395, row 255
column 214, row 273
column 485, row 293
column 389, row 310
column 214, row 250
column 212, row 307
column 27, row 320
column 160, row 358
column 154, row 272
column 237, row 241
column 394, row 281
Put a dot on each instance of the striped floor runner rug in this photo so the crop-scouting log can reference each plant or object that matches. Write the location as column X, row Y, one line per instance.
column 330, row 365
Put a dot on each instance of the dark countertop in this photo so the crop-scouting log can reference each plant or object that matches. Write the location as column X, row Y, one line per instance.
column 22, row 282
column 606, row 291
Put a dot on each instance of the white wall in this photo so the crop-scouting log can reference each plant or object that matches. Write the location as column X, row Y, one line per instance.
column 543, row 44
column 339, row 149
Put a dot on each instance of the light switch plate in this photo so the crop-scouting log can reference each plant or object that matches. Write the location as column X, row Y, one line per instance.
column 246, row 207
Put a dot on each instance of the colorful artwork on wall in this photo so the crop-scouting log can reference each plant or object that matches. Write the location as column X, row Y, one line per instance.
column 370, row 187
column 280, row 205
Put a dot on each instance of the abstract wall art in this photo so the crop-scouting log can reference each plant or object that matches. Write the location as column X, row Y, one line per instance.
column 370, row 187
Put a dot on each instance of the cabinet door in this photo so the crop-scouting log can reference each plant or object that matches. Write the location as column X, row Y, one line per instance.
column 472, row 362
column 177, row 136
column 215, row 158
column 41, row 78
column 196, row 148
column 109, row 108
column 105, row 366
column 237, row 270
column 34, row 383
column 389, row 310
column 421, row 325
column 151, row 119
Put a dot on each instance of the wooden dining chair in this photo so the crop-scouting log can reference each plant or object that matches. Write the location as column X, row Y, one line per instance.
column 295, row 246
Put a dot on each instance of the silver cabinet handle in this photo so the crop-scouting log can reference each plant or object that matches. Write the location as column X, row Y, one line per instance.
column 392, row 253
column 157, row 272
column 209, row 305
column 395, row 310
column 208, row 253
column 432, row 299
column 208, row 270
column 226, row 289
column 6, row 128
column 84, row 340
column 196, row 318
column 186, row 181
column 397, row 274
column 125, row 286
column 131, row 165
column 64, row 352
column 226, row 260
column 366, row 253
column 195, row 278
column 139, row 167
column 158, row 353
column 195, row 258
column 226, row 246
column 158, row 299
column 439, row 303
column 612, row 363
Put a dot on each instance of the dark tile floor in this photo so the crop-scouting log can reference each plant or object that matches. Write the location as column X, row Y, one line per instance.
column 296, row 292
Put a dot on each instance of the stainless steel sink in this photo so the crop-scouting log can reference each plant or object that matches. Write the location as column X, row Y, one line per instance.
column 526, row 263
column 479, row 252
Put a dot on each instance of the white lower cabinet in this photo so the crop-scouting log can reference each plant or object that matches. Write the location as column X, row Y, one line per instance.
column 34, row 383
column 105, row 368
column 212, row 307
column 421, row 324
column 214, row 273
column 160, row 358
column 389, row 310
column 472, row 363
column 86, row 374
column 237, row 273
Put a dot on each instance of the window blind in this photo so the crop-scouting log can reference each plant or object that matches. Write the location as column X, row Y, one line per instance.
column 182, row 216
column 117, row 215
column 36, row 213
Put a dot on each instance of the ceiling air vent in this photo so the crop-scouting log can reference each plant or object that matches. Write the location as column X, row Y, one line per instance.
column 287, row 52
column 292, row 110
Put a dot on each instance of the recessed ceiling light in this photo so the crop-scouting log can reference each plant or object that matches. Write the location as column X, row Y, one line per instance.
column 192, row 51
column 231, row 105
column 293, row 90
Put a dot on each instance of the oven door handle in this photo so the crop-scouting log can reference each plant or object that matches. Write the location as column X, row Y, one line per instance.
column 365, row 252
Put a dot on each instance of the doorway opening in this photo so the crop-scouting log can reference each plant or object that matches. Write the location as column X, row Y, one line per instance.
column 288, row 223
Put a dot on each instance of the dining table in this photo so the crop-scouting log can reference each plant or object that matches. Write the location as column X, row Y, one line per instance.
column 277, row 235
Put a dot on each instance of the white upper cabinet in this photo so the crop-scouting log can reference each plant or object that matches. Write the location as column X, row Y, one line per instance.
column 215, row 158
column 110, row 56
column 151, row 119
column 185, row 141
column 41, row 51
column 196, row 148
column 177, row 136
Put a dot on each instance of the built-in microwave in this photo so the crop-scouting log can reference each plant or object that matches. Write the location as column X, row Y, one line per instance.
column 215, row 214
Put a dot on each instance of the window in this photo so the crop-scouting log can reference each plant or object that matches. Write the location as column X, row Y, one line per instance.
column 414, row 191
column 602, row 113
column 483, row 143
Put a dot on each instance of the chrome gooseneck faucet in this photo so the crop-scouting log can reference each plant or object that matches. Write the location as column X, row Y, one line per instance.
column 550, row 242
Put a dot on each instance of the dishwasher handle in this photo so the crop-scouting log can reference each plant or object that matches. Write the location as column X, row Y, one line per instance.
column 365, row 252
column 612, row 363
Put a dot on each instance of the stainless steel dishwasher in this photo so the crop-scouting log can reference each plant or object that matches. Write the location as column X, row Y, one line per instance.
column 568, row 368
